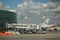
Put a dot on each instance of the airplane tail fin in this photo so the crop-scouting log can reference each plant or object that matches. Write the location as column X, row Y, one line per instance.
column 54, row 24
column 46, row 22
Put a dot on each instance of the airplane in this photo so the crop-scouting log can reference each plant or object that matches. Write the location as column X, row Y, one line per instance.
column 44, row 26
column 53, row 26
column 45, row 23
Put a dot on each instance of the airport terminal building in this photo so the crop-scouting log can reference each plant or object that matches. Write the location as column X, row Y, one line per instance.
column 7, row 17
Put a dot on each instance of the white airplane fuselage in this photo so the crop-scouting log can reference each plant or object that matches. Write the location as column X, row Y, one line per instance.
column 46, row 26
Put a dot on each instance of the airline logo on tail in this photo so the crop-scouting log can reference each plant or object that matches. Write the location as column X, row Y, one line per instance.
column 46, row 22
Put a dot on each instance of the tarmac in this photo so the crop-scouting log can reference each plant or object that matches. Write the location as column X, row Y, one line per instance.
column 47, row 36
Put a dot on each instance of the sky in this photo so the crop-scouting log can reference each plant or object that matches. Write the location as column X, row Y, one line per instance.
column 35, row 10
column 13, row 3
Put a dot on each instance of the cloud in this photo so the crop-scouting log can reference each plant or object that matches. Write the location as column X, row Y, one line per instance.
column 54, row 6
column 1, row 4
column 4, row 7
column 31, row 7
column 37, row 11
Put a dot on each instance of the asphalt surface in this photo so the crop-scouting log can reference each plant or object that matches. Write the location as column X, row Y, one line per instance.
column 47, row 36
